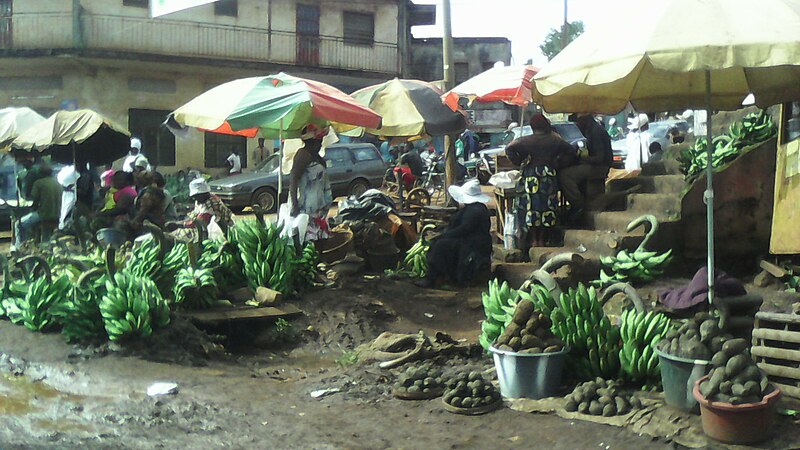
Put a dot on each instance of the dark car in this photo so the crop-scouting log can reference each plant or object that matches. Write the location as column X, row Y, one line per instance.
column 567, row 130
column 352, row 169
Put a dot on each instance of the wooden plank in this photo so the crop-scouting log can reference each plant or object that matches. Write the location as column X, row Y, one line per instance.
column 791, row 391
column 780, row 371
column 778, row 317
column 773, row 270
column 777, row 335
column 777, row 353
column 242, row 313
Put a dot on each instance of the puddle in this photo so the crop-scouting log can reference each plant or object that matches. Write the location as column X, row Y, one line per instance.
column 20, row 395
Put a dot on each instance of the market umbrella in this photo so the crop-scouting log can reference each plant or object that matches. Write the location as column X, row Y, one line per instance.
column 275, row 106
column 410, row 108
column 76, row 137
column 509, row 84
column 13, row 121
column 677, row 54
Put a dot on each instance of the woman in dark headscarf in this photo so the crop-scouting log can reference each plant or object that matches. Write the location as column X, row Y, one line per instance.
column 539, row 156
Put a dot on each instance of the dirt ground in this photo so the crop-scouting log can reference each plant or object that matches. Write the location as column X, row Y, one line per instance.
column 251, row 395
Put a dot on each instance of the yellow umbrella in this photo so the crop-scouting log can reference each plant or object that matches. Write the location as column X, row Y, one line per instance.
column 673, row 54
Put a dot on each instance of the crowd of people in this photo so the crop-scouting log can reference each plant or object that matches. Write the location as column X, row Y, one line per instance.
column 81, row 199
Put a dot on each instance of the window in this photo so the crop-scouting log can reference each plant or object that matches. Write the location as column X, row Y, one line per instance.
column 791, row 121
column 226, row 8
column 219, row 146
column 359, row 28
column 365, row 154
column 136, row 3
column 158, row 144
column 6, row 11
column 462, row 72
column 337, row 157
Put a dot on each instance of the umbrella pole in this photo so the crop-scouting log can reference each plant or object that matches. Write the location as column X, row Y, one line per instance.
column 709, row 194
column 280, row 165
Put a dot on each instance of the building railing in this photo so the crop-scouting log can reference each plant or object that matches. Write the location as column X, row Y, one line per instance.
column 195, row 39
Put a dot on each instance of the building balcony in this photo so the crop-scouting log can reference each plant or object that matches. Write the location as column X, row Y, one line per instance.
column 135, row 35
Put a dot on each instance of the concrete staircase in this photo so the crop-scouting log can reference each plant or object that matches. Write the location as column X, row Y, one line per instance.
column 657, row 191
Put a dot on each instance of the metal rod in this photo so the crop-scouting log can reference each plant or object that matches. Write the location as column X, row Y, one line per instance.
column 280, row 164
column 449, row 79
column 709, row 194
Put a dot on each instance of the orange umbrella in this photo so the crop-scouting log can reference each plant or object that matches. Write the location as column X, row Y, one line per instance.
column 509, row 84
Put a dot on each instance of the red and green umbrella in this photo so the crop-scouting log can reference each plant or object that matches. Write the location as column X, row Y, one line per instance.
column 274, row 106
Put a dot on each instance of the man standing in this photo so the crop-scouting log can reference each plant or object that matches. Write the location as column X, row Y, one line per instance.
column 593, row 164
column 135, row 157
column 46, row 197
column 234, row 162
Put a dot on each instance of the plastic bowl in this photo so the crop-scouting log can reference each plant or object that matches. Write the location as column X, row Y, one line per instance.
column 111, row 236
column 678, row 376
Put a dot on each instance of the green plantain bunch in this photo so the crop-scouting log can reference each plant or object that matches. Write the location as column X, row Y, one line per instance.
column 594, row 342
column 267, row 258
column 498, row 305
column 306, row 265
column 132, row 306
column 195, row 288
column 633, row 267
column 640, row 333
column 79, row 316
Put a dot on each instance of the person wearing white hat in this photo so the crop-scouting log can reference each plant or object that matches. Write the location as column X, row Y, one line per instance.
column 207, row 206
column 614, row 131
column 135, row 159
column 638, row 143
column 67, row 177
column 466, row 244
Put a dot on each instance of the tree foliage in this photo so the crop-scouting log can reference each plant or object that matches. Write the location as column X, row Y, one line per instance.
column 553, row 43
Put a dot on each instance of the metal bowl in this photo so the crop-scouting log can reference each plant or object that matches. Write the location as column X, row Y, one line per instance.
column 111, row 237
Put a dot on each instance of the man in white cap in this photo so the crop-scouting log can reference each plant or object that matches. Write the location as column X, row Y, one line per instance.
column 135, row 159
column 638, row 143
column 466, row 245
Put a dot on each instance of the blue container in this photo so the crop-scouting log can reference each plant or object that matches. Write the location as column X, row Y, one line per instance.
column 678, row 376
column 529, row 375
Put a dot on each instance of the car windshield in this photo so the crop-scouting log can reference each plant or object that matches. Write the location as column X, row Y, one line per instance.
column 568, row 131
column 659, row 129
column 269, row 165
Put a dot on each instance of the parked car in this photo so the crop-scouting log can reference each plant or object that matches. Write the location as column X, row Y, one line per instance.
column 352, row 169
column 567, row 130
column 661, row 136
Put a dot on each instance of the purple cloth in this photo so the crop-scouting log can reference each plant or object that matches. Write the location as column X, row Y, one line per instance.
column 696, row 291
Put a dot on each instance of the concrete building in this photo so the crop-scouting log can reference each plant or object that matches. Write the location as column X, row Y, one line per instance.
column 109, row 56
column 471, row 56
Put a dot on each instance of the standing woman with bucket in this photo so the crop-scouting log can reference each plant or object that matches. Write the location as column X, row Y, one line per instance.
column 309, row 187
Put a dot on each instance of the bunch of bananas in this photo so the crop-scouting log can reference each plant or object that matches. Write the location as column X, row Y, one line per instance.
column 640, row 332
column 498, row 305
column 223, row 258
column 753, row 129
column 195, row 288
column 541, row 298
column 132, row 306
column 579, row 321
column 638, row 266
column 145, row 260
column 416, row 261
column 80, row 316
column 175, row 259
column 266, row 257
column 35, row 310
column 306, row 265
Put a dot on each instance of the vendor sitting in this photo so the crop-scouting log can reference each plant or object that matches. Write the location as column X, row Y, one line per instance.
column 207, row 206
column 118, row 204
column 466, row 245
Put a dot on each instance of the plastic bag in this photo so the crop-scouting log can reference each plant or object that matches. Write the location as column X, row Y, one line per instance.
column 510, row 231
column 292, row 226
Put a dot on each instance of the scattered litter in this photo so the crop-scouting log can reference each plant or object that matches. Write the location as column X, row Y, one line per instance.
column 581, row 249
column 429, row 315
column 162, row 388
column 301, row 414
column 371, row 277
column 323, row 392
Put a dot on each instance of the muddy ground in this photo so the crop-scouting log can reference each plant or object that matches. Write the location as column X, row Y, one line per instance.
column 249, row 394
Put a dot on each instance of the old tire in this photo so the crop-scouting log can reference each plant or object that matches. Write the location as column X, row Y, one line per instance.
column 266, row 198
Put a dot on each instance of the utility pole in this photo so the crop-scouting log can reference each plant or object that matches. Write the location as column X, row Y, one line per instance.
column 449, row 80
column 565, row 28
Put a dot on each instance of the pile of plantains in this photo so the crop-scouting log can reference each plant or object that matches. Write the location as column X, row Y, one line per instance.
column 126, row 294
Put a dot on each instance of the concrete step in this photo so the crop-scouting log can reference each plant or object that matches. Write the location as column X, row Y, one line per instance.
column 658, row 184
column 588, row 270
column 666, row 204
column 618, row 221
column 662, row 167
column 601, row 243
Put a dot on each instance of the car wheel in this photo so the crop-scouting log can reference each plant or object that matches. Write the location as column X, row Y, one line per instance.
column 267, row 199
column 358, row 187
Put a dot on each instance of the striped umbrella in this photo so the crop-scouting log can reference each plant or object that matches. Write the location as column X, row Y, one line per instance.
column 509, row 84
column 276, row 106
column 410, row 108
